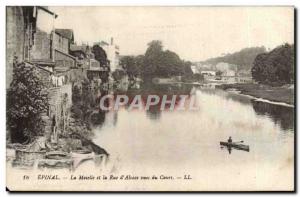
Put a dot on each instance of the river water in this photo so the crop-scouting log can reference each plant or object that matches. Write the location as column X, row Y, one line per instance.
column 186, row 143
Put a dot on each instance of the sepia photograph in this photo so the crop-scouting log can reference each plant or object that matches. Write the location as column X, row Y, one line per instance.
column 150, row 98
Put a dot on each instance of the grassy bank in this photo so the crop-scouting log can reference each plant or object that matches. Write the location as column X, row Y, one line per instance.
column 277, row 94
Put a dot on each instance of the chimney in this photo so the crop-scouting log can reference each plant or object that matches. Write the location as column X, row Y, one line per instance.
column 111, row 40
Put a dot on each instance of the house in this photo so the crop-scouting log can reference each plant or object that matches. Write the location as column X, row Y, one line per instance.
column 32, row 39
column 82, row 53
column 194, row 69
column 225, row 67
column 86, row 60
column 208, row 73
column 62, row 40
column 29, row 37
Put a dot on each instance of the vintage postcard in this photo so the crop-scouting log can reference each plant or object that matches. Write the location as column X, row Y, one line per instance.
column 150, row 98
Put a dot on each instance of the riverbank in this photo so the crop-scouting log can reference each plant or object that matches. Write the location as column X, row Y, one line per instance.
column 282, row 94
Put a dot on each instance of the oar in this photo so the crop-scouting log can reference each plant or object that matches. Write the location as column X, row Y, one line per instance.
column 239, row 141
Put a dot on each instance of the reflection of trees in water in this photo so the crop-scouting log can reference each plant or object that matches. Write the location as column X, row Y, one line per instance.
column 98, row 119
column 162, row 89
column 147, row 89
column 154, row 111
column 241, row 99
column 284, row 116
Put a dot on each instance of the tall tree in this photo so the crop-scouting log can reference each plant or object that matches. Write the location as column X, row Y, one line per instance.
column 26, row 101
column 100, row 55
column 162, row 63
column 152, row 58
column 129, row 63
column 275, row 67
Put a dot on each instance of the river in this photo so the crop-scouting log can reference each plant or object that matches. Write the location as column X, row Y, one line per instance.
column 177, row 143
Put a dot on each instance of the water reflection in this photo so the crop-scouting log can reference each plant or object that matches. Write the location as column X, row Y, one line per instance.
column 154, row 111
column 281, row 115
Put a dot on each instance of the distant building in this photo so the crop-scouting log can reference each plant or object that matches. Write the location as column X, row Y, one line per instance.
column 194, row 69
column 113, row 53
column 223, row 66
column 82, row 53
column 86, row 60
column 208, row 73
column 244, row 73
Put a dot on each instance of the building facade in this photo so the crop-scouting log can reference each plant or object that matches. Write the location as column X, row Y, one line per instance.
column 31, row 39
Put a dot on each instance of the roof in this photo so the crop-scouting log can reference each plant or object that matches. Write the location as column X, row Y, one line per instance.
column 46, row 62
column 75, row 47
column 101, row 43
column 66, row 33
column 66, row 54
column 47, row 10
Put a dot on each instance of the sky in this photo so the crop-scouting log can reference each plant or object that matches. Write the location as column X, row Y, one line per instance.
column 194, row 33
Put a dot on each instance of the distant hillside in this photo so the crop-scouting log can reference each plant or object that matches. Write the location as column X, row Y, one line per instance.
column 243, row 58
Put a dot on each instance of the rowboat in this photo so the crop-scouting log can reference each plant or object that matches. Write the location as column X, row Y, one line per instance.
column 235, row 145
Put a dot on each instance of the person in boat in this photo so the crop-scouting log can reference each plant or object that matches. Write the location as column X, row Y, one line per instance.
column 229, row 140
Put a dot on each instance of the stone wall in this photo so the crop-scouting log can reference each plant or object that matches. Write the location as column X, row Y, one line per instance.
column 60, row 43
column 60, row 101
column 14, row 38
column 63, row 60
column 41, row 50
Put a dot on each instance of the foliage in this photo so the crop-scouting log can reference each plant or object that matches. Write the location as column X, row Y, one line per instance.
column 156, row 63
column 118, row 74
column 219, row 73
column 275, row 67
column 100, row 55
column 83, row 102
column 187, row 70
column 198, row 77
column 26, row 101
column 76, row 94
column 131, row 65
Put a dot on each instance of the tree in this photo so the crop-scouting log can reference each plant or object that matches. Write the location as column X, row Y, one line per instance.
column 129, row 63
column 187, row 68
column 219, row 73
column 160, row 63
column 118, row 74
column 100, row 55
column 275, row 67
column 152, row 59
column 76, row 94
column 170, row 65
column 26, row 101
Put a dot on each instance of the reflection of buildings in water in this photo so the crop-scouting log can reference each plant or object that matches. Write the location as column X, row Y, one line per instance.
column 282, row 115
column 111, row 118
column 154, row 111
column 115, row 119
